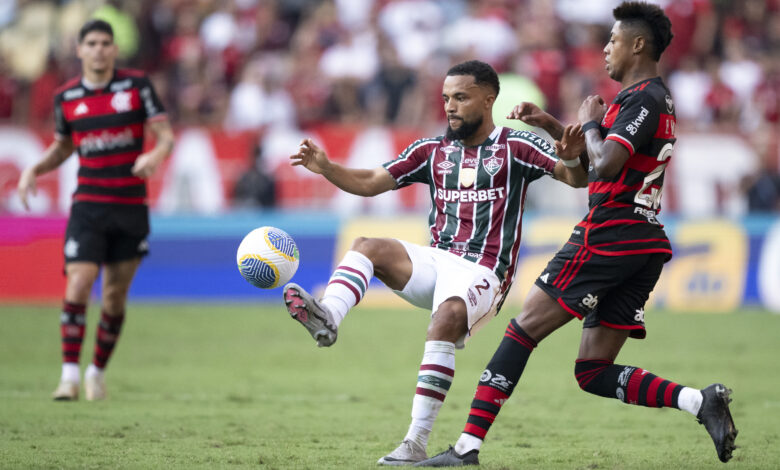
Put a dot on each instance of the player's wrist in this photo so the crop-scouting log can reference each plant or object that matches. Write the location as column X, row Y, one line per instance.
column 592, row 124
column 572, row 163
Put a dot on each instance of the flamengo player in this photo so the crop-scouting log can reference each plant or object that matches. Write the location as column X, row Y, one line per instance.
column 478, row 175
column 101, row 115
column 614, row 257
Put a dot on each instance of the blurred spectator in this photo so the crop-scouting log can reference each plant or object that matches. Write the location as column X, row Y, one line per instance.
column 762, row 188
column 256, row 187
column 123, row 20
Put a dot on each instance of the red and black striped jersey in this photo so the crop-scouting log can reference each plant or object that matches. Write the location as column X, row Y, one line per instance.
column 477, row 193
column 623, row 209
column 107, row 129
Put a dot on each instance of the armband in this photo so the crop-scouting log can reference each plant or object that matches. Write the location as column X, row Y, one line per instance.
column 590, row 125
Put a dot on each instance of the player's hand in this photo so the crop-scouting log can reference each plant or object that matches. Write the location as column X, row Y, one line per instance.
column 529, row 113
column 26, row 186
column 572, row 144
column 311, row 157
column 146, row 165
column 592, row 109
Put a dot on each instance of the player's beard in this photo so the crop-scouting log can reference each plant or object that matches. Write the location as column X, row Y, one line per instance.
column 466, row 129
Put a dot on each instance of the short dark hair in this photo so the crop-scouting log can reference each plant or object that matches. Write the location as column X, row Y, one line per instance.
column 483, row 73
column 95, row 25
column 650, row 18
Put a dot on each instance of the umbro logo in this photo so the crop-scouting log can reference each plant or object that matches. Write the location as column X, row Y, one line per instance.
column 445, row 165
column 81, row 109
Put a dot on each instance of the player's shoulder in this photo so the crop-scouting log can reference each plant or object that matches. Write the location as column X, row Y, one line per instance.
column 129, row 73
column 524, row 137
column 652, row 90
column 130, row 77
column 427, row 141
column 69, row 90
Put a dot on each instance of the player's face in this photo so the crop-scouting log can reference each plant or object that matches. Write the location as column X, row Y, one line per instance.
column 465, row 103
column 618, row 51
column 97, row 52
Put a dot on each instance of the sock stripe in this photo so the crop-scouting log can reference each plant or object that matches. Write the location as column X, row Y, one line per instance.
column 434, row 381
column 486, row 406
column 522, row 341
column 483, row 414
column 475, row 431
column 353, row 270
column 349, row 286
column 438, row 368
column 430, row 393
column 356, row 281
column 652, row 390
column 669, row 396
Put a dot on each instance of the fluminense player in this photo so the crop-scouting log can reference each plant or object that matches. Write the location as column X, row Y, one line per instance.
column 610, row 264
column 102, row 115
column 478, row 176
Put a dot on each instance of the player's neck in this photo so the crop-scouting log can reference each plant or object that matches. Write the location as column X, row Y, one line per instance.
column 478, row 137
column 639, row 73
column 96, row 80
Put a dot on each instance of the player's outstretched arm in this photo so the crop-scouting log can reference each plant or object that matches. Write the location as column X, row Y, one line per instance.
column 607, row 156
column 55, row 154
column 147, row 163
column 569, row 168
column 363, row 182
column 533, row 115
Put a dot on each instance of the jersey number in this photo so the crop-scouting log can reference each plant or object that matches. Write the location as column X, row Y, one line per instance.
column 647, row 195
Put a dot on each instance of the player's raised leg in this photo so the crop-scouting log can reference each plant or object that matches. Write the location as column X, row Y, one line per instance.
column 384, row 257
column 116, row 283
column 80, row 277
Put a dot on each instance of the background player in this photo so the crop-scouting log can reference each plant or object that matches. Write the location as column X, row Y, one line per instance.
column 614, row 257
column 478, row 175
column 101, row 115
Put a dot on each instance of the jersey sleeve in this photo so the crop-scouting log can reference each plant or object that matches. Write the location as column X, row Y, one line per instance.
column 61, row 125
column 411, row 166
column 533, row 153
column 636, row 122
column 153, row 107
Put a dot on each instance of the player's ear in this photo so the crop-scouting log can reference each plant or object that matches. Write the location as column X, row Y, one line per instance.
column 639, row 44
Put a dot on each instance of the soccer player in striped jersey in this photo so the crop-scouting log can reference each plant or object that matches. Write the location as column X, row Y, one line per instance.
column 610, row 264
column 478, row 175
column 102, row 115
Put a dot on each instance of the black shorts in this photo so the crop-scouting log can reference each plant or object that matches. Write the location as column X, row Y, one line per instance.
column 606, row 291
column 106, row 233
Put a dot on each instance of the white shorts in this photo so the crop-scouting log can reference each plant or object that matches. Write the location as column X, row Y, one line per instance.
column 438, row 275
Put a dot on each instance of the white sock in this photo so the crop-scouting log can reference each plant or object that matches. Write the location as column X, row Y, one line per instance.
column 433, row 380
column 93, row 371
column 70, row 372
column 348, row 284
column 467, row 442
column 689, row 400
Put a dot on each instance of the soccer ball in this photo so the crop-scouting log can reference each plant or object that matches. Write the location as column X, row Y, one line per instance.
column 267, row 257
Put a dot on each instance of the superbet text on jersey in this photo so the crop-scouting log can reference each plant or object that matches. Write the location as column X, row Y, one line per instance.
column 622, row 210
column 477, row 193
column 107, row 129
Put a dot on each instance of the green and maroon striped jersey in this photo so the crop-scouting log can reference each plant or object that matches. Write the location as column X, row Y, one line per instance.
column 107, row 129
column 477, row 193
column 623, row 209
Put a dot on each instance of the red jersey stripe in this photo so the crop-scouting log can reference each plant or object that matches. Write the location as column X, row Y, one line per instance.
column 108, row 134
column 621, row 140
column 102, row 104
column 111, row 182
column 109, row 160
column 609, row 117
column 109, row 199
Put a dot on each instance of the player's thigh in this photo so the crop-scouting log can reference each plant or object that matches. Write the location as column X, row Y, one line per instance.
column 390, row 257
column 476, row 286
column 420, row 286
column 85, row 239
column 623, row 307
column 80, row 275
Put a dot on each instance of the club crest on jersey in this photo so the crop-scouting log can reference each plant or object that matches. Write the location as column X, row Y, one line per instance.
column 467, row 176
column 121, row 101
column 492, row 164
column 669, row 104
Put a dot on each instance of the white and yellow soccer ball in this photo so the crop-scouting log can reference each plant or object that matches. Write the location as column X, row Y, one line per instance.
column 267, row 257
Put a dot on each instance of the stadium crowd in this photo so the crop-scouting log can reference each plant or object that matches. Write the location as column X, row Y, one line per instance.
column 249, row 64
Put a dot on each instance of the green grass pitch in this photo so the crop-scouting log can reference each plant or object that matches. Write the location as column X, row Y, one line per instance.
column 243, row 386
